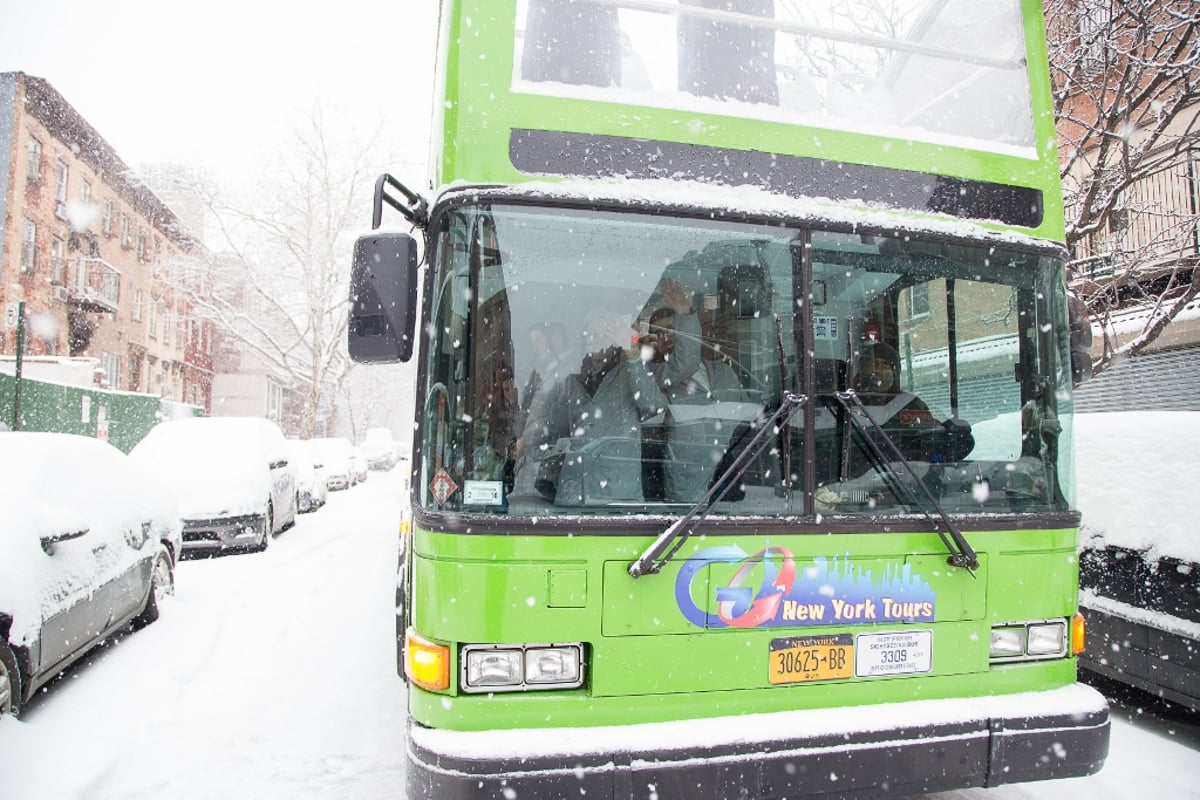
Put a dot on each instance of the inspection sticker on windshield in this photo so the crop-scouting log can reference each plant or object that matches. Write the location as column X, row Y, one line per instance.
column 483, row 493
column 825, row 327
column 896, row 653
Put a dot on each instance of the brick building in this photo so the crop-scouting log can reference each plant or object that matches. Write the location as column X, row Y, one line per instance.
column 92, row 252
column 1128, row 123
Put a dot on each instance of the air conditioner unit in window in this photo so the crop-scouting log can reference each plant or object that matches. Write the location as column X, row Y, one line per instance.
column 58, row 294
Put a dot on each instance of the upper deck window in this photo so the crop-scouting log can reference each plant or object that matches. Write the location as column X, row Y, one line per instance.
column 942, row 71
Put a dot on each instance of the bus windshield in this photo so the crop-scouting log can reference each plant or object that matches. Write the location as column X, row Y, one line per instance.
column 584, row 361
column 942, row 71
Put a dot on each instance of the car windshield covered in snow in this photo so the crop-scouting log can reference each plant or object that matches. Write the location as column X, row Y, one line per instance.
column 216, row 465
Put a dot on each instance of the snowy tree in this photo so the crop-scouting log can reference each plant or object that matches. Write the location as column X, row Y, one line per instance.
column 1126, row 80
column 276, row 276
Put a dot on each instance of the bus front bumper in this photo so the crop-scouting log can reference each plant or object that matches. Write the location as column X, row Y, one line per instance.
column 897, row 749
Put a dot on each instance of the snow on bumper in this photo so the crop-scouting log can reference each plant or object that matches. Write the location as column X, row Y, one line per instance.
column 225, row 533
column 897, row 749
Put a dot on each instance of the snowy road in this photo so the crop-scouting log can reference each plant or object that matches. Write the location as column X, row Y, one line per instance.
column 273, row 676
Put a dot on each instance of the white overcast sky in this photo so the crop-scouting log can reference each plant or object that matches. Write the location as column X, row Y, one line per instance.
column 220, row 83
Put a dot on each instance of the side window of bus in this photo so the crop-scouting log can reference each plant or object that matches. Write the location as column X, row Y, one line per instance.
column 443, row 431
column 494, row 408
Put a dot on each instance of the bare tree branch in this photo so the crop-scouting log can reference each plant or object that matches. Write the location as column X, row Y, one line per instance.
column 1126, row 82
column 278, row 287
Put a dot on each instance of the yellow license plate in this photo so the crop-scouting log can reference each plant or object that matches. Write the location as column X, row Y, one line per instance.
column 812, row 658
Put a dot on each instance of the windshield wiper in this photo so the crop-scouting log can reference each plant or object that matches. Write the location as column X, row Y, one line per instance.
column 669, row 541
column 961, row 552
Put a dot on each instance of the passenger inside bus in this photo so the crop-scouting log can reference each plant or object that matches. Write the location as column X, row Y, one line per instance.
column 713, row 378
column 877, row 384
column 581, row 429
column 584, row 433
column 903, row 416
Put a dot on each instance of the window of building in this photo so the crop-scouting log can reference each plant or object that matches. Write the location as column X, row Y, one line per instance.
column 1193, row 177
column 111, row 364
column 918, row 299
column 143, row 249
column 274, row 401
column 29, row 247
column 60, row 181
column 135, row 371
column 126, row 234
column 152, row 327
column 80, row 273
column 166, row 324
column 1095, row 25
column 58, row 249
column 157, row 250
column 33, row 165
column 106, row 215
column 137, row 305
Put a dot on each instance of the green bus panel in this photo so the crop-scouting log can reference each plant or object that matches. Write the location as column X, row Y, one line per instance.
column 639, row 641
column 580, row 708
column 476, row 111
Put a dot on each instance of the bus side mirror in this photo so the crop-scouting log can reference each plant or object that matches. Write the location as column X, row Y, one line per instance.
column 383, row 298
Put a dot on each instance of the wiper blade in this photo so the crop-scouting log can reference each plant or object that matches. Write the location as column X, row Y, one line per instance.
column 961, row 552
column 669, row 541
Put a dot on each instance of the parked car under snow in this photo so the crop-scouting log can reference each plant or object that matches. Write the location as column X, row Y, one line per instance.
column 88, row 545
column 233, row 475
column 337, row 457
column 380, row 449
column 358, row 465
column 312, row 482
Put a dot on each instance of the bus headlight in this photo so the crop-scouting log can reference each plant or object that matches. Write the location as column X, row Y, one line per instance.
column 552, row 665
column 516, row 668
column 1047, row 639
column 493, row 667
column 1007, row 642
column 1029, row 641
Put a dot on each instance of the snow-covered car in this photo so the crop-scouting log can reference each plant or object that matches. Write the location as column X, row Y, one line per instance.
column 88, row 545
column 336, row 455
column 379, row 448
column 234, row 478
column 358, row 465
column 312, row 482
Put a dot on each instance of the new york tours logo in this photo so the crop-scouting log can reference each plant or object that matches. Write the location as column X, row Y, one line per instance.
column 768, row 589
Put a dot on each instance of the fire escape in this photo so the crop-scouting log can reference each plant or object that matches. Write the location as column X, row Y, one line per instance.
column 89, row 285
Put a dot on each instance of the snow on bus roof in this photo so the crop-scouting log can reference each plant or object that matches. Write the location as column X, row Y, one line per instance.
column 755, row 202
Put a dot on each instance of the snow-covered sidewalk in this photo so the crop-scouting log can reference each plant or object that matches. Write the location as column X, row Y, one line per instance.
column 270, row 675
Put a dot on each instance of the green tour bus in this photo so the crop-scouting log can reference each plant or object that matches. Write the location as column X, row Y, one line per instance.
column 743, row 456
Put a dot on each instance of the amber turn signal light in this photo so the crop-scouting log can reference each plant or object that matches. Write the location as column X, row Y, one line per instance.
column 427, row 664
